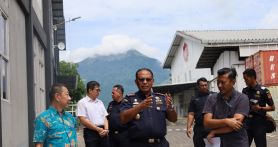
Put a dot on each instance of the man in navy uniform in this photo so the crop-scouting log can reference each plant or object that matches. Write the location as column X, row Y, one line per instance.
column 259, row 96
column 118, row 135
column 146, row 112
column 195, row 112
column 225, row 112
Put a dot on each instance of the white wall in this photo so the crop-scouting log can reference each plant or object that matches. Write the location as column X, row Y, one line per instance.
column 240, row 84
column 246, row 51
column 182, row 71
column 15, row 110
column 229, row 59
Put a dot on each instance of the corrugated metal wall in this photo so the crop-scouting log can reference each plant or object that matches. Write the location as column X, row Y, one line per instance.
column 274, row 92
column 264, row 63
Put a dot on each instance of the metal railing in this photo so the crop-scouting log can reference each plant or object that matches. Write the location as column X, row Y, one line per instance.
column 72, row 108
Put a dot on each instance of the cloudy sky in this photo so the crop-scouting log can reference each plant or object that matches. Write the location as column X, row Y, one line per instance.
column 115, row 26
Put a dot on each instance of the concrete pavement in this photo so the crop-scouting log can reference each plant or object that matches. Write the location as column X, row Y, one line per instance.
column 177, row 137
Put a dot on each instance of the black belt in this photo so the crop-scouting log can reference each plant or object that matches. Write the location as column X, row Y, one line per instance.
column 148, row 140
column 101, row 126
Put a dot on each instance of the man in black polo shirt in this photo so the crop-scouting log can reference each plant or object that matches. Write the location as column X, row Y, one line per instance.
column 259, row 96
column 118, row 135
column 195, row 112
column 225, row 112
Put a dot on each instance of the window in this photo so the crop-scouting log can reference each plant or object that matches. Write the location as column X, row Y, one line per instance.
column 4, row 80
column 39, row 76
column 3, row 58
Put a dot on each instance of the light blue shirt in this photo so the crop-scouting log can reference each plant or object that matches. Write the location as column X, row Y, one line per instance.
column 55, row 130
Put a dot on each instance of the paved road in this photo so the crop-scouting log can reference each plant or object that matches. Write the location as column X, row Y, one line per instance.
column 177, row 137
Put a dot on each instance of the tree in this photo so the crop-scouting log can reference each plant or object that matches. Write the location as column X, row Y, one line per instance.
column 70, row 69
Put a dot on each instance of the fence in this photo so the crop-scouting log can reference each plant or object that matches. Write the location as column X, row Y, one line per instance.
column 72, row 108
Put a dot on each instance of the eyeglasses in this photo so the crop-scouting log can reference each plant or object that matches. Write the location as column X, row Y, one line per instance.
column 143, row 79
column 98, row 90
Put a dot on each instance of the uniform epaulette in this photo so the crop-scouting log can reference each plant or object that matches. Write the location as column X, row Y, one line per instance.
column 130, row 94
column 124, row 100
column 160, row 94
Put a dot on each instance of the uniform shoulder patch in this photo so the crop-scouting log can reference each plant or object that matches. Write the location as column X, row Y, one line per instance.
column 269, row 95
column 267, row 92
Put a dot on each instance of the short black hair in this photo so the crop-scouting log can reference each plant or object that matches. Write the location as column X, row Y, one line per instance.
column 141, row 69
column 250, row 73
column 120, row 87
column 203, row 79
column 230, row 71
column 55, row 88
column 92, row 85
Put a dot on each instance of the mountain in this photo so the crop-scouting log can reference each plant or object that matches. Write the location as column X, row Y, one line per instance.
column 119, row 69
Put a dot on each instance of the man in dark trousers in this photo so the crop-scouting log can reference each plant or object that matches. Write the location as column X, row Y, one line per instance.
column 93, row 115
column 225, row 112
column 118, row 135
column 259, row 96
column 146, row 112
column 195, row 112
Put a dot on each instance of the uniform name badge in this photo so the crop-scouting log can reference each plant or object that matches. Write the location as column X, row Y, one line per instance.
column 160, row 105
column 135, row 103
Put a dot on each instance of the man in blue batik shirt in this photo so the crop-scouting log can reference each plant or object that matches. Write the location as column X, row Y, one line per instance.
column 55, row 127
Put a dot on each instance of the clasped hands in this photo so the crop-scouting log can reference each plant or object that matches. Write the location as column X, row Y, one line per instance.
column 102, row 132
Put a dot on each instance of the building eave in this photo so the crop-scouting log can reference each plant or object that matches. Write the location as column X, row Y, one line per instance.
column 172, row 51
column 173, row 88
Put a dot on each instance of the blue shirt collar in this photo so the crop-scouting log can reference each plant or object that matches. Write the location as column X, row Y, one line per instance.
column 54, row 110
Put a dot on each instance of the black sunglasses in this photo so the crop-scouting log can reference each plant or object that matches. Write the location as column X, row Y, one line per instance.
column 143, row 79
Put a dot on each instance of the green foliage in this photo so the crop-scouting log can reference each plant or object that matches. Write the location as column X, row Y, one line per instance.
column 70, row 69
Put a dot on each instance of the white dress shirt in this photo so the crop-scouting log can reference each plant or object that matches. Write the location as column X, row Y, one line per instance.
column 93, row 110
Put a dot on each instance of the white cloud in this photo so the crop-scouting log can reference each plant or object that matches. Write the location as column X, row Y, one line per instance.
column 149, row 25
column 271, row 19
column 110, row 44
column 93, row 10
